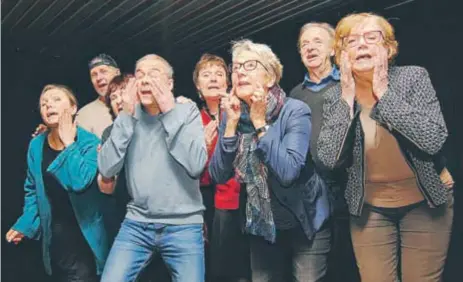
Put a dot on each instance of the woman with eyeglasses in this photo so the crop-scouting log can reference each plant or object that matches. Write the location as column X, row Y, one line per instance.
column 264, row 140
column 384, row 125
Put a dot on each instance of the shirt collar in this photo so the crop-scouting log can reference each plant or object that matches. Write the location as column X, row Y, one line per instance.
column 333, row 75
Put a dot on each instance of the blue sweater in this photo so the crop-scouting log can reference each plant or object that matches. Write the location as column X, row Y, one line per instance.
column 75, row 168
column 283, row 149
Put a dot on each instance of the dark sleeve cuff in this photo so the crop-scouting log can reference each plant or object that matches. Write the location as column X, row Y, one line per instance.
column 229, row 144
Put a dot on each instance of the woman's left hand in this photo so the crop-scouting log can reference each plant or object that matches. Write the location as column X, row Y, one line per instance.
column 446, row 178
column 258, row 107
column 67, row 128
column 380, row 74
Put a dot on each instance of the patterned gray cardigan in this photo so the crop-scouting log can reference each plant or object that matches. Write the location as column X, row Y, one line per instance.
column 410, row 111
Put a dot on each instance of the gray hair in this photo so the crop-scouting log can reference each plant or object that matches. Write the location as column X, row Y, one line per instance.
column 170, row 70
column 325, row 26
column 268, row 58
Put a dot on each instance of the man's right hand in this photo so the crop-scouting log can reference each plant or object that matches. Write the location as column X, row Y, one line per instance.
column 39, row 129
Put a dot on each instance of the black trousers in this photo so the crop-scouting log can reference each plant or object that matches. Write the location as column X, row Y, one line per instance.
column 71, row 257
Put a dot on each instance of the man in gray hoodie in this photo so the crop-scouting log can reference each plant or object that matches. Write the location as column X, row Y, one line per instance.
column 160, row 144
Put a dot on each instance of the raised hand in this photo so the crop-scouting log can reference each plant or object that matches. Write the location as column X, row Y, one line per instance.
column 347, row 81
column 210, row 132
column 130, row 97
column 162, row 94
column 258, row 107
column 67, row 128
column 380, row 75
column 230, row 103
column 13, row 236
column 39, row 129
column 131, row 89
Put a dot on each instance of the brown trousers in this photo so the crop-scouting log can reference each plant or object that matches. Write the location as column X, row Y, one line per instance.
column 403, row 244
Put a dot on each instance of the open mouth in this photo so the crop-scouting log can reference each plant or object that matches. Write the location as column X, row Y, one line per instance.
column 363, row 57
column 102, row 85
column 312, row 56
column 52, row 114
column 145, row 92
column 243, row 83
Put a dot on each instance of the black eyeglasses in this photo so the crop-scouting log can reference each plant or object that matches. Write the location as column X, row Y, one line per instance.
column 248, row 66
column 370, row 37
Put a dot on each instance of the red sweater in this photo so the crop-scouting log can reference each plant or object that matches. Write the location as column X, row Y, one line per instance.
column 226, row 195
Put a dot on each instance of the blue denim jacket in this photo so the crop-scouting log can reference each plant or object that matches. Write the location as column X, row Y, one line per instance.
column 284, row 150
column 75, row 168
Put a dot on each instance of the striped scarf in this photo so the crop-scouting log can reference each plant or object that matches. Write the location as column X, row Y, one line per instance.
column 250, row 170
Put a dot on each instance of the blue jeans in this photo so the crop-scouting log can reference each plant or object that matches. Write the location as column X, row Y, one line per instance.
column 180, row 246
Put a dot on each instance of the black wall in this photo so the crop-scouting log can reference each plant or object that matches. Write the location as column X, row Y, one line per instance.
column 429, row 35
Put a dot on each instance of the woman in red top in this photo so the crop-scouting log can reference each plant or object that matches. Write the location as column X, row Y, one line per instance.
column 227, row 256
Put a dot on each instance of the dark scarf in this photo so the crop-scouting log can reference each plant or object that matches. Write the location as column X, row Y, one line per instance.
column 251, row 171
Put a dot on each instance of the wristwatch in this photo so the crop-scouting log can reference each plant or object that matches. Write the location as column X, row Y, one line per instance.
column 262, row 129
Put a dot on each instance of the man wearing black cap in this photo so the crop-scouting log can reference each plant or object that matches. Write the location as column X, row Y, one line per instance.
column 95, row 116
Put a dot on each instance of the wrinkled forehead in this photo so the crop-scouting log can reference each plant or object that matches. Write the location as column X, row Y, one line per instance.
column 212, row 67
column 150, row 64
column 315, row 32
column 366, row 25
column 101, row 68
column 245, row 55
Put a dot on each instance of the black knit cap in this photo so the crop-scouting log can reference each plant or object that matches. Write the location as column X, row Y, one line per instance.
column 102, row 59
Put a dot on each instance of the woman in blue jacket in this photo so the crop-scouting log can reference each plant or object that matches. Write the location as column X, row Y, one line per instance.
column 63, row 205
column 264, row 140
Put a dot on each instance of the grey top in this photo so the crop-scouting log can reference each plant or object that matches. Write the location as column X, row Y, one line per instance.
column 163, row 157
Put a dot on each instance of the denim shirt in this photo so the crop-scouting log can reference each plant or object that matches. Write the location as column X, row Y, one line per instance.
column 334, row 75
column 290, row 171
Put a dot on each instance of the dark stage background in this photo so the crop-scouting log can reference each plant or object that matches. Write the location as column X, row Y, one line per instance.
column 50, row 41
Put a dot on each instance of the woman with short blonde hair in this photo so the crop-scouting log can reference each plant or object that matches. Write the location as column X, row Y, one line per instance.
column 384, row 125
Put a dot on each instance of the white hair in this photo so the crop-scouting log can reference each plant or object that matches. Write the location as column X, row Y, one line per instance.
column 266, row 55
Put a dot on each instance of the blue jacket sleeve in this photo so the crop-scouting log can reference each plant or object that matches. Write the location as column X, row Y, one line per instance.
column 221, row 164
column 286, row 155
column 29, row 222
column 76, row 166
